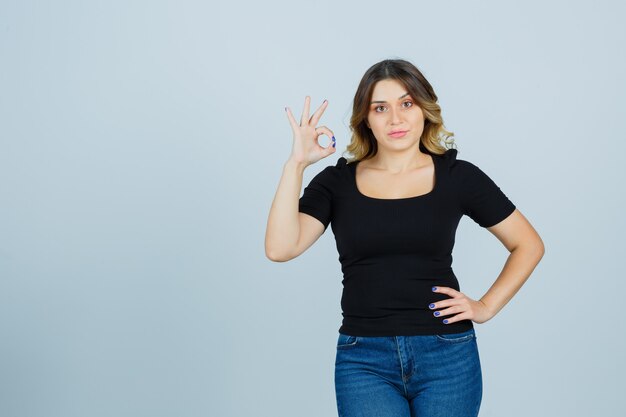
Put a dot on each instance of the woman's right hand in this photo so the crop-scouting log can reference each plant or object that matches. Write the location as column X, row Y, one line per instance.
column 306, row 150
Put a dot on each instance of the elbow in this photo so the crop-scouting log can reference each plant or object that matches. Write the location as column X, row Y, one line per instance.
column 274, row 256
column 271, row 255
column 538, row 249
column 270, row 250
column 535, row 248
column 541, row 248
column 277, row 251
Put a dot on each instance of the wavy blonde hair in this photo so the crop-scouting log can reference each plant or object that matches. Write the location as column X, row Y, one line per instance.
column 363, row 144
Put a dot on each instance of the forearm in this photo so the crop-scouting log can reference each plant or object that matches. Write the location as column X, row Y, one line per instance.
column 517, row 268
column 283, row 226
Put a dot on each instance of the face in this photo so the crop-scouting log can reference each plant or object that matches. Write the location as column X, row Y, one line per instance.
column 393, row 109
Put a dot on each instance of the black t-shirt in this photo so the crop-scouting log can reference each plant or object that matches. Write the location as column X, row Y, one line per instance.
column 393, row 251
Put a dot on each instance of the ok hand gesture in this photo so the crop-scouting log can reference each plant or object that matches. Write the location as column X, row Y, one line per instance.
column 305, row 147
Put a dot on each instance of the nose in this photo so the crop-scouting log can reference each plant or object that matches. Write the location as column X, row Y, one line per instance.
column 395, row 116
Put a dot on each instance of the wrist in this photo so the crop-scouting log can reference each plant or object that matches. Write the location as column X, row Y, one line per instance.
column 295, row 165
column 491, row 311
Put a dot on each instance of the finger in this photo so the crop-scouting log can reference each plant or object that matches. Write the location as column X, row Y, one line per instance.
column 330, row 148
column 448, row 311
column 318, row 113
column 448, row 302
column 305, row 112
column 292, row 120
column 326, row 131
column 458, row 317
column 446, row 290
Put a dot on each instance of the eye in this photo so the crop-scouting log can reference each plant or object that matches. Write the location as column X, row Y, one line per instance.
column 408, row 101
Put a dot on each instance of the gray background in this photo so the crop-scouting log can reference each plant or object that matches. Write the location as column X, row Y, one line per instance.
column 141, row 146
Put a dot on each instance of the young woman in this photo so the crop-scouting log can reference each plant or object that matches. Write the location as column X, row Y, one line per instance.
column 406, row 346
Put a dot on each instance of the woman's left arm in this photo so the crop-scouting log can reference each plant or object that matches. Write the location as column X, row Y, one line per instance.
column 526, row 250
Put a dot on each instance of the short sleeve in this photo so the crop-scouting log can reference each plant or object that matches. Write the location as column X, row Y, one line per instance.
column 317, row 198
column 481, row 198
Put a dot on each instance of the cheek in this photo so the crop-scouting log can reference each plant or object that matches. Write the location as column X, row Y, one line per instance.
column 375, row 122
column 417, row 120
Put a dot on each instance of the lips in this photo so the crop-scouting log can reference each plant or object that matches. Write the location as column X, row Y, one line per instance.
column 398, row 133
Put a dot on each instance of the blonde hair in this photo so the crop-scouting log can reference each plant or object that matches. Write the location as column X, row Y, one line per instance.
column 363, row 144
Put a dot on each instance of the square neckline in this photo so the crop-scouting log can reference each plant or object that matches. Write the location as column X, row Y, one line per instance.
column 415, row 197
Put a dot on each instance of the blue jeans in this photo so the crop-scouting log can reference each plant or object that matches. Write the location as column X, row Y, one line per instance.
column 408, row 376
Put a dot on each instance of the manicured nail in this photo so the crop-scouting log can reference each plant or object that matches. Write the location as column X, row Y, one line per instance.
column 445, row 322
column 334, row 139
column 434, row 288
column 437, row 313
column 431, row 306
column 334, row 145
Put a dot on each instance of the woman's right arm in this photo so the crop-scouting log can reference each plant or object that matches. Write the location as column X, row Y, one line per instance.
column 284, row 222
column 290, row 232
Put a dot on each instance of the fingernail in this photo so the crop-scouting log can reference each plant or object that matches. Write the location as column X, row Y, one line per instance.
column 432, row 306
column 434, row 288
column 334, row 145
column 445, row 322
column 334, row 139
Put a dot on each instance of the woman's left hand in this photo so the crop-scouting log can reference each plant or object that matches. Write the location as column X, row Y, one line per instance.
column 461, row 305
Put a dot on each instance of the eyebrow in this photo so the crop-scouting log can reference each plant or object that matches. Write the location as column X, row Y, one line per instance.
column 399, row 98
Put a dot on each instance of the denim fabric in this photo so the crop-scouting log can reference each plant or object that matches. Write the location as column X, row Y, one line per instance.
column 408, row 376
